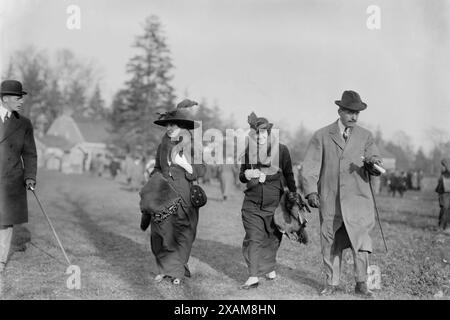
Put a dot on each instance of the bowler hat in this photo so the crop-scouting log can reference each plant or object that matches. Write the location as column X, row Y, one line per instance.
column 351, row 100
column 11, row 87
column 178, row 116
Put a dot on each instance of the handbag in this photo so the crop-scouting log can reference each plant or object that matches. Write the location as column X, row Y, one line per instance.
column 198, row 196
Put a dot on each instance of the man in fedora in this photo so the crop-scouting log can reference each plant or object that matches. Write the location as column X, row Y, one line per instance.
column 336, row 180
column 18, row 163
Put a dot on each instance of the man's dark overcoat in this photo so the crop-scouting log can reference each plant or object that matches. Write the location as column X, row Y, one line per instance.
column 18, row 162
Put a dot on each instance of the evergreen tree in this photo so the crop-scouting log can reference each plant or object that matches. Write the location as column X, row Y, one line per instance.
column 146, row 92
column 96, row 105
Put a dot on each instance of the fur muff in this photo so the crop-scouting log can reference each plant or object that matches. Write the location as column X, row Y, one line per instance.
column 157, row 199
column 290, row 218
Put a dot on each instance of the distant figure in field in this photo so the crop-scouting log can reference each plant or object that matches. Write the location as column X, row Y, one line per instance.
column 226, row 175
column 114, row 167
column 419, row 178
column 127, row 166
column 137, row 172
column 97, row 166
column 397, row 183
column 443, row 189
column 415, row 180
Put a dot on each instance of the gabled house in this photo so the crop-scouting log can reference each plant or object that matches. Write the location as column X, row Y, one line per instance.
column 76, row 141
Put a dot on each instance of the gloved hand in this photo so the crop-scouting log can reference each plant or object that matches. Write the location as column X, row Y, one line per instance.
column 182, row 162
column 251, row 173
column 369, row 165
column 262, row 177
column 30, row 184
column 313, row 200
column 293, row 196
column 145, row 221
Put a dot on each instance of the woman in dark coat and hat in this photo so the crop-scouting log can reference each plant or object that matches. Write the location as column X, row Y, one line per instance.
column 443, row 189
column 266, row 169
column 173, row 230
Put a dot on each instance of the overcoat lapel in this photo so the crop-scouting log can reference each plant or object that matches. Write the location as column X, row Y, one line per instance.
column 11, row 126
column 336, row 135
column 354, row 136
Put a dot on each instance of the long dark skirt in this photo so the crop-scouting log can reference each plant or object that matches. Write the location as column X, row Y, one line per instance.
column 444, row 213
column 261, row 242
column 172, row 240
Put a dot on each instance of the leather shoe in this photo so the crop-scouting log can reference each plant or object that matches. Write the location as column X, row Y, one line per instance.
column 187, row 272
column 329, row 290
column 362, row 290
column 249, row 286
column 271, row 276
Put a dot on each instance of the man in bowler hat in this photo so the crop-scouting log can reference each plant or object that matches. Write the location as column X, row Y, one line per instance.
column 18, row 163
column 336, row 180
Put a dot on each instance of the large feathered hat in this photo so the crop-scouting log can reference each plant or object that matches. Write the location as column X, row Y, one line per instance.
column 178, row 116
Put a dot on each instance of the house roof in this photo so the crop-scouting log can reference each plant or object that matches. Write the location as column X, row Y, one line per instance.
column 56, row 142
column 77, row 129
column 93, row 130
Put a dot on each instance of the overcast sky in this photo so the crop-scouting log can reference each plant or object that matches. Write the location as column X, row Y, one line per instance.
column 285, row 60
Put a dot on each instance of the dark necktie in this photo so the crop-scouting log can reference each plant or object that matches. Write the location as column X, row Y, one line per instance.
column 346, row 133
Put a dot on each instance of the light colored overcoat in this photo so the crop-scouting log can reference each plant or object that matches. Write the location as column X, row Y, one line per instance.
column 335, row 170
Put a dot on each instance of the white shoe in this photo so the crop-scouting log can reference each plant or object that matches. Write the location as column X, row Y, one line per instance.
column 159, row 278
column 271, row 275
column 252, row 282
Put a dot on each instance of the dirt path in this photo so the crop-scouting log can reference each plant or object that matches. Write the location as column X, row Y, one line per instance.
column 98, row 222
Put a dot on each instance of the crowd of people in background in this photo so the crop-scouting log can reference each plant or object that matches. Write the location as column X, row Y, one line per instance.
column 134, row 169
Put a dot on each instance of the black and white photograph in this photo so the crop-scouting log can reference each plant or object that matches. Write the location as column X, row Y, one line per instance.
column 245, row 151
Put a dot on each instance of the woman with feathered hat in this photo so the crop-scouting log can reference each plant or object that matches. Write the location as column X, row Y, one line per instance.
column 165, row 199
column 266, row 169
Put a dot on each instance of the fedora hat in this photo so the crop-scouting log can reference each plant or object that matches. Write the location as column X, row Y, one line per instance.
column 352, row 101
column 12, row 87
column 258, row 123
column 178, row 116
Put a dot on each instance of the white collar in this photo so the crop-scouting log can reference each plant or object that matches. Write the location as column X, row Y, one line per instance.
column 341, row 126
column 3, row 111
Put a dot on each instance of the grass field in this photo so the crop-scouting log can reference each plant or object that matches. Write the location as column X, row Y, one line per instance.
column 97, row 220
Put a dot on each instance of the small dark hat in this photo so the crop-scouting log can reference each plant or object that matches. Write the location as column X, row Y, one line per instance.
column 352, row 101
column 178, row 116
column 258, row 123
column 12, row 87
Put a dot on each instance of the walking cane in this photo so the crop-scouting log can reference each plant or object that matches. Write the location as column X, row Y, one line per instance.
column 376, row 208
column 50, row 224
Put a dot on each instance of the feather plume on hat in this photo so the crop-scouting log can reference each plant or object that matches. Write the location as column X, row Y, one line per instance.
column 252, row 120
column 186, row 103
column 256, row 122
column 178, row 115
